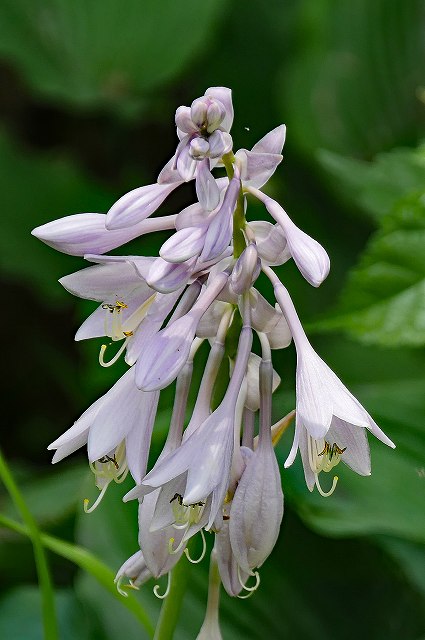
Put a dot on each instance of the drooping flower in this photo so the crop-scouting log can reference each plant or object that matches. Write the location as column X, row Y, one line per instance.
column 324, row 406
column 257, row 506
column 309, row 256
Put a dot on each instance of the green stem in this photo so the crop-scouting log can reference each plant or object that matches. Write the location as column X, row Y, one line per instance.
column 170, row 610
column 89, row 563
column 46, row 587
column 239, row 221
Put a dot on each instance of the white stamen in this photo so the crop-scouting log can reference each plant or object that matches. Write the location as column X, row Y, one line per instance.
column 204, row 550
column 167, row 590
column 116, row 356
column 97, row 502
column 249, row 589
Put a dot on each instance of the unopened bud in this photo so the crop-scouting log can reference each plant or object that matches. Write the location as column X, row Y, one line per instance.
column 220, row 143
column 246, row 270
column 199, row 148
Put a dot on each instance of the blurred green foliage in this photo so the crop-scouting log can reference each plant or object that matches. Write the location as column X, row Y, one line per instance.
column 86, row 113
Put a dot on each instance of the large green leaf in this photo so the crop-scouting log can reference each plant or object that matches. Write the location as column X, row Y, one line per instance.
column 384, row 299
column 391, row 386
column 304, row 574
column 376, row 186
column 52, row 497
column 103, row 51
column 351, row 86
column 20, row 615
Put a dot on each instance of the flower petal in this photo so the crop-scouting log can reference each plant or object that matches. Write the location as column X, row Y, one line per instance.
column 138, row 204
column 206, row 187
column 224, row 95
column 84, row 233
column 183, row 244
column 272, row 142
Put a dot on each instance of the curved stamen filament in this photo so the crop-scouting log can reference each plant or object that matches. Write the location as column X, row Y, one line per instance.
column 121, row 478
column 116, row 356
column 204, row 550
column 119, row 588
column 97, row 502
column 179, row 547
column 249, row 589
column 325, row 494
column 167, row 590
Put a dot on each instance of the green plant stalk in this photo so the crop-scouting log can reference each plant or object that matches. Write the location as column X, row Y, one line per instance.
column 46, row 587
column 170, row 610
column 239, row 221
column 88, row 562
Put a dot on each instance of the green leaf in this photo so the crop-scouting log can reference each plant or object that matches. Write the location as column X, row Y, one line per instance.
column 352, row 81
column 390, row 501
column 52, row 498
column 383, row 302
column 20, row 615
column 90, row 564
column 376, row 186
column 102, row 52
column 410, row 557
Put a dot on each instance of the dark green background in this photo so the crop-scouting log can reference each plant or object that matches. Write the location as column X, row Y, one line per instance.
column 88, row 94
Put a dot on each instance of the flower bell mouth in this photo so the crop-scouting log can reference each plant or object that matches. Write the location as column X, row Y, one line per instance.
column 108, row 468
column 323, row 456
column 186, row 514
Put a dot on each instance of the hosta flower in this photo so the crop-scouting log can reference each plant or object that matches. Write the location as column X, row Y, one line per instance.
column 135, row 571
column 309, row 256
column 217, row 472
column 329, row 414
column 117, row 429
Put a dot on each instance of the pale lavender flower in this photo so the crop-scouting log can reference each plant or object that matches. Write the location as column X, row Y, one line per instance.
column 219, row 233
column 84, row 233
column 246, row 270
column 309, row 256
column 206, row 455
column 167, row 352
column 257, row 506
column 120, row 421
column 324, row 405
column 135, row 571
column 138, row 204
column 258, row 165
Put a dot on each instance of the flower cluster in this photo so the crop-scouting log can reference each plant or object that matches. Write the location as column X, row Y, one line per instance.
column 219, row 472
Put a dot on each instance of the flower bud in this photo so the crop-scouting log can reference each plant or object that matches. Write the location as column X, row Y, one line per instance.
column 246, row 270
column 199, row 148
column 220, row 143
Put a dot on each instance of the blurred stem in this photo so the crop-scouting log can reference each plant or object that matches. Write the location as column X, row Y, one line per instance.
column 46, row 588
column 170, row 609
column 87, row 562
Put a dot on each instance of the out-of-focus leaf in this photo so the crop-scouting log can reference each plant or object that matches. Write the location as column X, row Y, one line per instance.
column 35, row 190
column 376, row 186
column 20, row 615
column 111, row 533
column 52, row 498
column 384, row 299
column 102, row 51
column 410, row 557
column 352, row 85
column 90, row 564
column 291, row 582
column 391, row 500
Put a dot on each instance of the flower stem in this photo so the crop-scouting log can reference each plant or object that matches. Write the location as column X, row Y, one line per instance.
column 46, row 588
column 170, row 610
